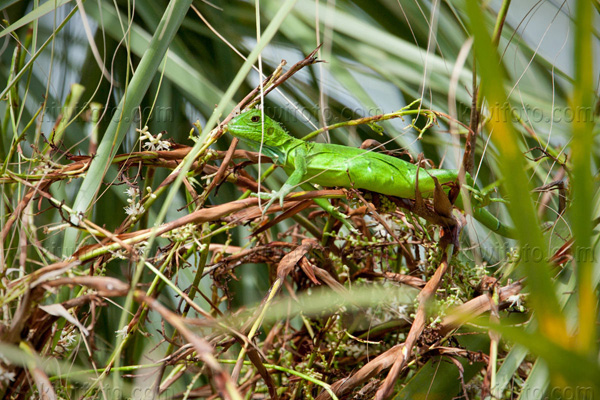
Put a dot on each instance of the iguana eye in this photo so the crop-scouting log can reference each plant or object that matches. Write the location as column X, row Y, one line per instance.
column 255, row 118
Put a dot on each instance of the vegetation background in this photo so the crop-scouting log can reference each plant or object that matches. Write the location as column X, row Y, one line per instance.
column 95, row 306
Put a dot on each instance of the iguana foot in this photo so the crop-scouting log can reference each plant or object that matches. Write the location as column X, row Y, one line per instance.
column 271, row 197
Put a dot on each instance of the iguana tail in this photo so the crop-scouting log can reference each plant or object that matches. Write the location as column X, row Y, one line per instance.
column 483, row 215
column 492, row 223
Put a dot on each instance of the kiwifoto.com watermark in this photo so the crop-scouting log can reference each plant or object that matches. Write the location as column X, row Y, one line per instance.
column 560, row 392
column 138, row 115
column 534, row 114
column 80, row 390
column 525, row 253
column 528, row 253
column 535, row 254
column 510, row 113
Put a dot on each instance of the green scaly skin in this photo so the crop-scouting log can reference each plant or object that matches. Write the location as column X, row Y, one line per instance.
column 333, row 165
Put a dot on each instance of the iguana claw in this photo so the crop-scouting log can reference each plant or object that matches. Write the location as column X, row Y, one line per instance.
column 272, row 197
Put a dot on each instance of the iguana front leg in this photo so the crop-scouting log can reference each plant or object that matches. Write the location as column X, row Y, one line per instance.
column 298, row 178
column 293, row 181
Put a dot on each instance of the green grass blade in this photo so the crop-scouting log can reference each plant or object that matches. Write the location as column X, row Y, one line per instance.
column 34, row 15
column 197, row 88
column 132, row 98
column 524, row 215
column 268, row 34
column 583, row 185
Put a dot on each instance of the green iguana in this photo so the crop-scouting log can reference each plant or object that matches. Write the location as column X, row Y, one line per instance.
column 332, row 165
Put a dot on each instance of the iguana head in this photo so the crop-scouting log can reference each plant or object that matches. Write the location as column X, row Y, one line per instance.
column 248, row 127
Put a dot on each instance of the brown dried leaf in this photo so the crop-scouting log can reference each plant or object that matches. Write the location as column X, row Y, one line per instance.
column 103, row 285
column 288, row 262
column 58, row 310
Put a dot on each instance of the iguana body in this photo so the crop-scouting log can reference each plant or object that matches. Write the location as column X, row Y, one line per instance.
column 333, row 165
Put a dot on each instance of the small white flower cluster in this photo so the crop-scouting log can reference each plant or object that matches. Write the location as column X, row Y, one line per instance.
column 122, row 333
column 135, row 208
column 379, row 230
column 153, row 143
column 5, row 376
column 480, row 271
column 392, row 311
column 138, row 249
column 453, row 299
column 516, row 302
column 182, row 233
column 356, row 350
column 43, row 169
column 67, row 340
